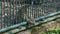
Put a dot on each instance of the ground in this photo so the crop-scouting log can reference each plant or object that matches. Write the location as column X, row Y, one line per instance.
column 40, row 29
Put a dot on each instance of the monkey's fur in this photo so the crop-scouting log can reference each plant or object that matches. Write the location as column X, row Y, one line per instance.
column 22, row 16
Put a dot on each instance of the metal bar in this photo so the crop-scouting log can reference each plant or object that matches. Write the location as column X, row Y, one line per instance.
column 4, row 14
column 1, row 15
column 12, row 27
column 2, row 25
column 8, row 13
column 49, row 15
column 15, row 11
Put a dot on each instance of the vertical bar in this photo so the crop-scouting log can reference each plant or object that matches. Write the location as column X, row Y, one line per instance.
column 32, row 13
column 1, row 16
column 5, row 16
column 41, row 11
column 10, row 13
column 6, row 20
column 47, row 7
column 14, row 10
column 40, row 8
column 8, row 1
column 2, row 26
column 28, row 14
column 37, row 11
column 23, row 11
column 17, row 8
column 17, row 3
column 55, row 4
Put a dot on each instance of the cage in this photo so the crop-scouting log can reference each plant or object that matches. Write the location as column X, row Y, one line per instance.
column 13, row 12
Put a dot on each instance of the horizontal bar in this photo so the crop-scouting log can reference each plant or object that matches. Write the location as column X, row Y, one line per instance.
column 49, row 15
column 12, row 27
column 48, row 19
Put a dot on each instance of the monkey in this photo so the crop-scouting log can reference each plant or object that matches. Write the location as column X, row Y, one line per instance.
column 23, row 16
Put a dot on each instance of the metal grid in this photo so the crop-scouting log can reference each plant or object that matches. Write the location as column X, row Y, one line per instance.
column 15, row 11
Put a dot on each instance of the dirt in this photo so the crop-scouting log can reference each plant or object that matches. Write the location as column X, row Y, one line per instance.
column 40, row 29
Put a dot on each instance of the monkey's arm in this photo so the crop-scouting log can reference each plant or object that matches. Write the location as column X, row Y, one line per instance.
column 28, row 19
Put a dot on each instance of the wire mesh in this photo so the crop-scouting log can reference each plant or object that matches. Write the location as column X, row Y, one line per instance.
column 15, row 11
